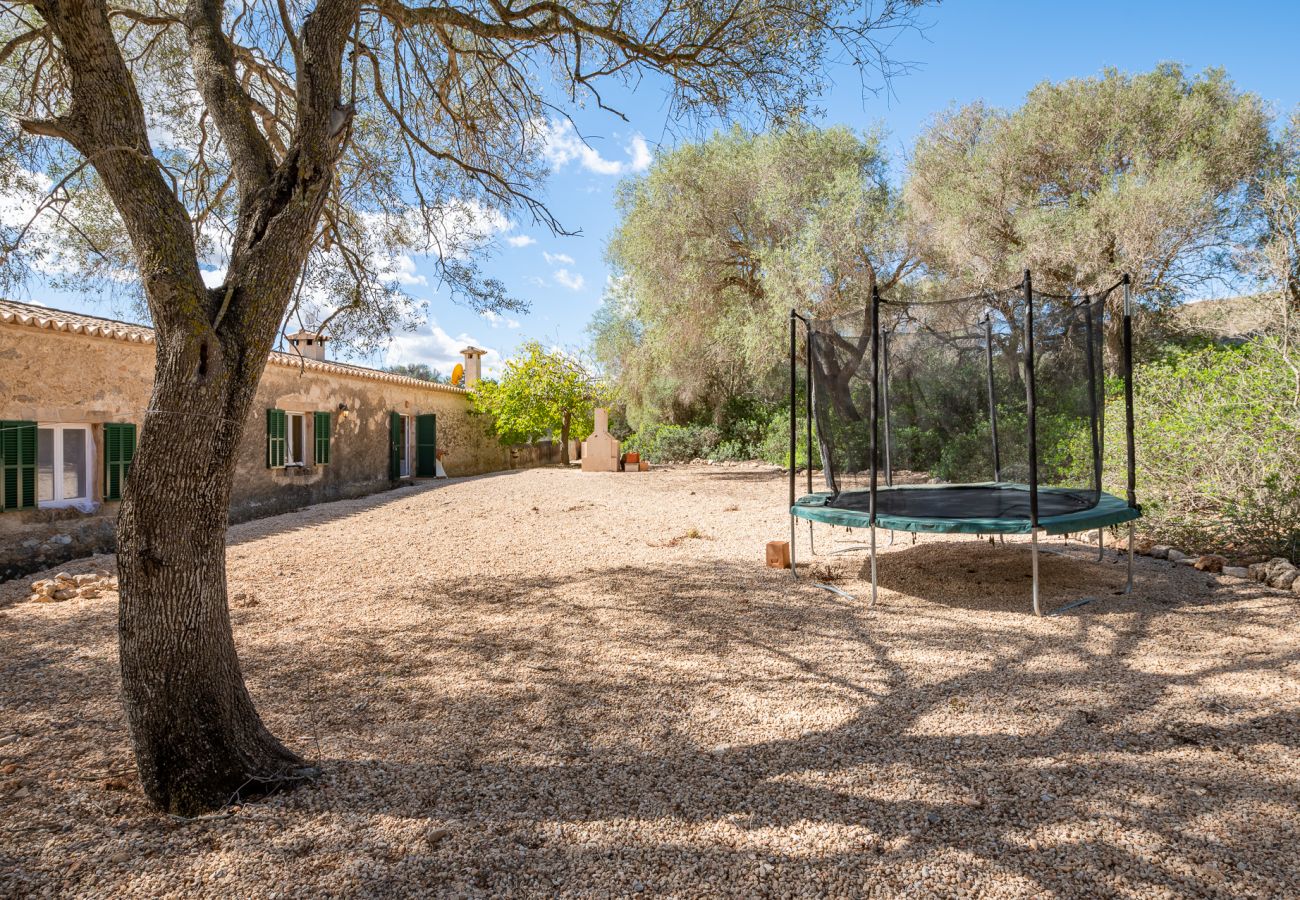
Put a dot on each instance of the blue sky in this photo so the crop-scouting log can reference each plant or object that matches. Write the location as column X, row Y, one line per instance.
column 995, row 51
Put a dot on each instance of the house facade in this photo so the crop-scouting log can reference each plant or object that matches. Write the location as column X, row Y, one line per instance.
column 74, row 391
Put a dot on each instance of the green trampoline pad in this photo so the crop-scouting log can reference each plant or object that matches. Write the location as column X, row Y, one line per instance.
column 990, row 508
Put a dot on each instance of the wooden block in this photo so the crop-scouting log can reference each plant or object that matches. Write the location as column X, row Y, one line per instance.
column 643, row 466
column 778, row 554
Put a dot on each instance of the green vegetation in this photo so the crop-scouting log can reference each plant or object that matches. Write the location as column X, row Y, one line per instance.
column 1176, row 178
column 1218, row 448
column 540, row 392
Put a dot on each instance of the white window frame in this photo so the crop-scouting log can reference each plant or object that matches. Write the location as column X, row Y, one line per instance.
column 404, row 461
column 289, row 461
column 56, row 455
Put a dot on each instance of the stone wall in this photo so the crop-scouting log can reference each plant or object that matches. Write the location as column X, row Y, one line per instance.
column 61, row 377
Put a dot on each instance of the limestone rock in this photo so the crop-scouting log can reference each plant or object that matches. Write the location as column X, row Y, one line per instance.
column 1175, row 555
column 1210, row 563
column 1236, row 571
column 83, row 580
column 1161, row 551
column 64, row 594
column 89, row 593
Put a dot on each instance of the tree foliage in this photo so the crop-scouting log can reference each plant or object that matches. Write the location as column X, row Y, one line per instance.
column 1090, row 178
column 540, row 392
column 1273, row 254
column 422, row 371
column 720, row 239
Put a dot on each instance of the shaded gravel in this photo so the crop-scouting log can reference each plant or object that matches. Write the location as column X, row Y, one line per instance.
column 541, row 684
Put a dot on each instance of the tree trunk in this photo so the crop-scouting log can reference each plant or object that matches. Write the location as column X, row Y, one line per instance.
column 564, row 438
column 198, row 741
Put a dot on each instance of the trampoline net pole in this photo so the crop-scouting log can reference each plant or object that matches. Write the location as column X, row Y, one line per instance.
column 808, row 401
column 1092, row 392
column 993, row 402
column 1128, row 392
column 875, row 396
column 1031, row 401
column 884, row 400
column 793, row 402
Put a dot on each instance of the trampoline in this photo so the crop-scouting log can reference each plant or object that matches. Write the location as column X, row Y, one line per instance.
column 1008, row 384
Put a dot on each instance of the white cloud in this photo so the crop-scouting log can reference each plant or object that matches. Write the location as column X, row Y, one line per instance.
column 213, row 277
column 571, row 280
column 399, row 268
column 553, row 259
column 563, row 145
column 433, row 345
column 520, row 240
column 497, row 320
column 640, row 151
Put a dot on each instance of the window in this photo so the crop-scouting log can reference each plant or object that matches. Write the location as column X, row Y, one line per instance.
column 321, row 434
column 119, row 451
column 62, row 464
column 297, row 443
column 404, row 448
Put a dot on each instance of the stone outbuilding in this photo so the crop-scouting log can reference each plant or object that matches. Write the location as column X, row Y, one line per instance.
column 74, row 393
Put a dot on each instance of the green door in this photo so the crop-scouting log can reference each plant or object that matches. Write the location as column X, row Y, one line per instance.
column 426, row 446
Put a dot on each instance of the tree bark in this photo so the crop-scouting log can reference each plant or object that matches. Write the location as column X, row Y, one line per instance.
column 198, row 740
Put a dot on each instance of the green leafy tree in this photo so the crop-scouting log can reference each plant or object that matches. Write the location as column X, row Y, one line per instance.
column 1090, row 178
column 720, row 239
column 540, row 392
column 1274, row 254
column 421, row 371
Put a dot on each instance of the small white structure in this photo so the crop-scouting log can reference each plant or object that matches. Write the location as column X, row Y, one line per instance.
column 309, row 344
column 473, row 365
column 600, row 451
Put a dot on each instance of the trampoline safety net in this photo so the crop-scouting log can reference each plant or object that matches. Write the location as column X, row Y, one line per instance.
column 952, row 406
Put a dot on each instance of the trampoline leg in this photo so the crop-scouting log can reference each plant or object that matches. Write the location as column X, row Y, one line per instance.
column 1128, row 588
column 1038, row 611
column 794, row 573
column 873, row 565
column 1101, row 550
column 812, row 547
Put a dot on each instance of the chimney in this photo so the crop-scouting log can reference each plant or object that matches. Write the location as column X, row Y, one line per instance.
column 473, row 365
column 308, row 343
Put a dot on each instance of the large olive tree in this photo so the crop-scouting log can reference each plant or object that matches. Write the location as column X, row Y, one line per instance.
column 297, row 144
column 721, row 238
column 1090, row 178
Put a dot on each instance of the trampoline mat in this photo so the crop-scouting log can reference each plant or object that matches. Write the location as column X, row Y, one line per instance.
column 981, row 501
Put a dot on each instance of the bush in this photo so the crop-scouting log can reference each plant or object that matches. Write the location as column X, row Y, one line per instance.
column 775, row 445
column 674, row 443
column 1218, row 449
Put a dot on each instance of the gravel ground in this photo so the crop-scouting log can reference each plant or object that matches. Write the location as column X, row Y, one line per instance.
column 553, row 683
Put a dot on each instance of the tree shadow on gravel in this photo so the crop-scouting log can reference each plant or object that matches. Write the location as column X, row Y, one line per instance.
column 631, row 727
column 594, row 713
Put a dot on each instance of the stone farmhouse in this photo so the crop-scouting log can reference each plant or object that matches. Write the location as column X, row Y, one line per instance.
column 74, row 390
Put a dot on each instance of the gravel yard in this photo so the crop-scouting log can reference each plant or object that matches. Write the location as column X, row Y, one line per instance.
column 552, row 683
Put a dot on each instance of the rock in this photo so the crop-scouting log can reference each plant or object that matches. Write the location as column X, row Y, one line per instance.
column 64, row 594
column 1236, row 571
column 40, row 598
column 1174, row 555
column 1259, row 571
column 63, row 576
column 89, row 593
column 1284, row 579
column 83, row 580
column 1210, row 563
column 61, row 539
column 1161, row 551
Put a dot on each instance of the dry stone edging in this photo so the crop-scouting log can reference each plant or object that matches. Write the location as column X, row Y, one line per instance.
column 63, row 587
column 1277, row 573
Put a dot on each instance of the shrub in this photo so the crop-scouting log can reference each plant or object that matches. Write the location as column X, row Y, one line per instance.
column 674, row 443
column 1218, row 449
column 775, row 445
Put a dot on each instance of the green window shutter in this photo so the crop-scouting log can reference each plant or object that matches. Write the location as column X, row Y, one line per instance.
column 119, row 451
column 17, row 465
column 426, row 446
column 394, row 441
column 277, row 428
column 321, row 430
